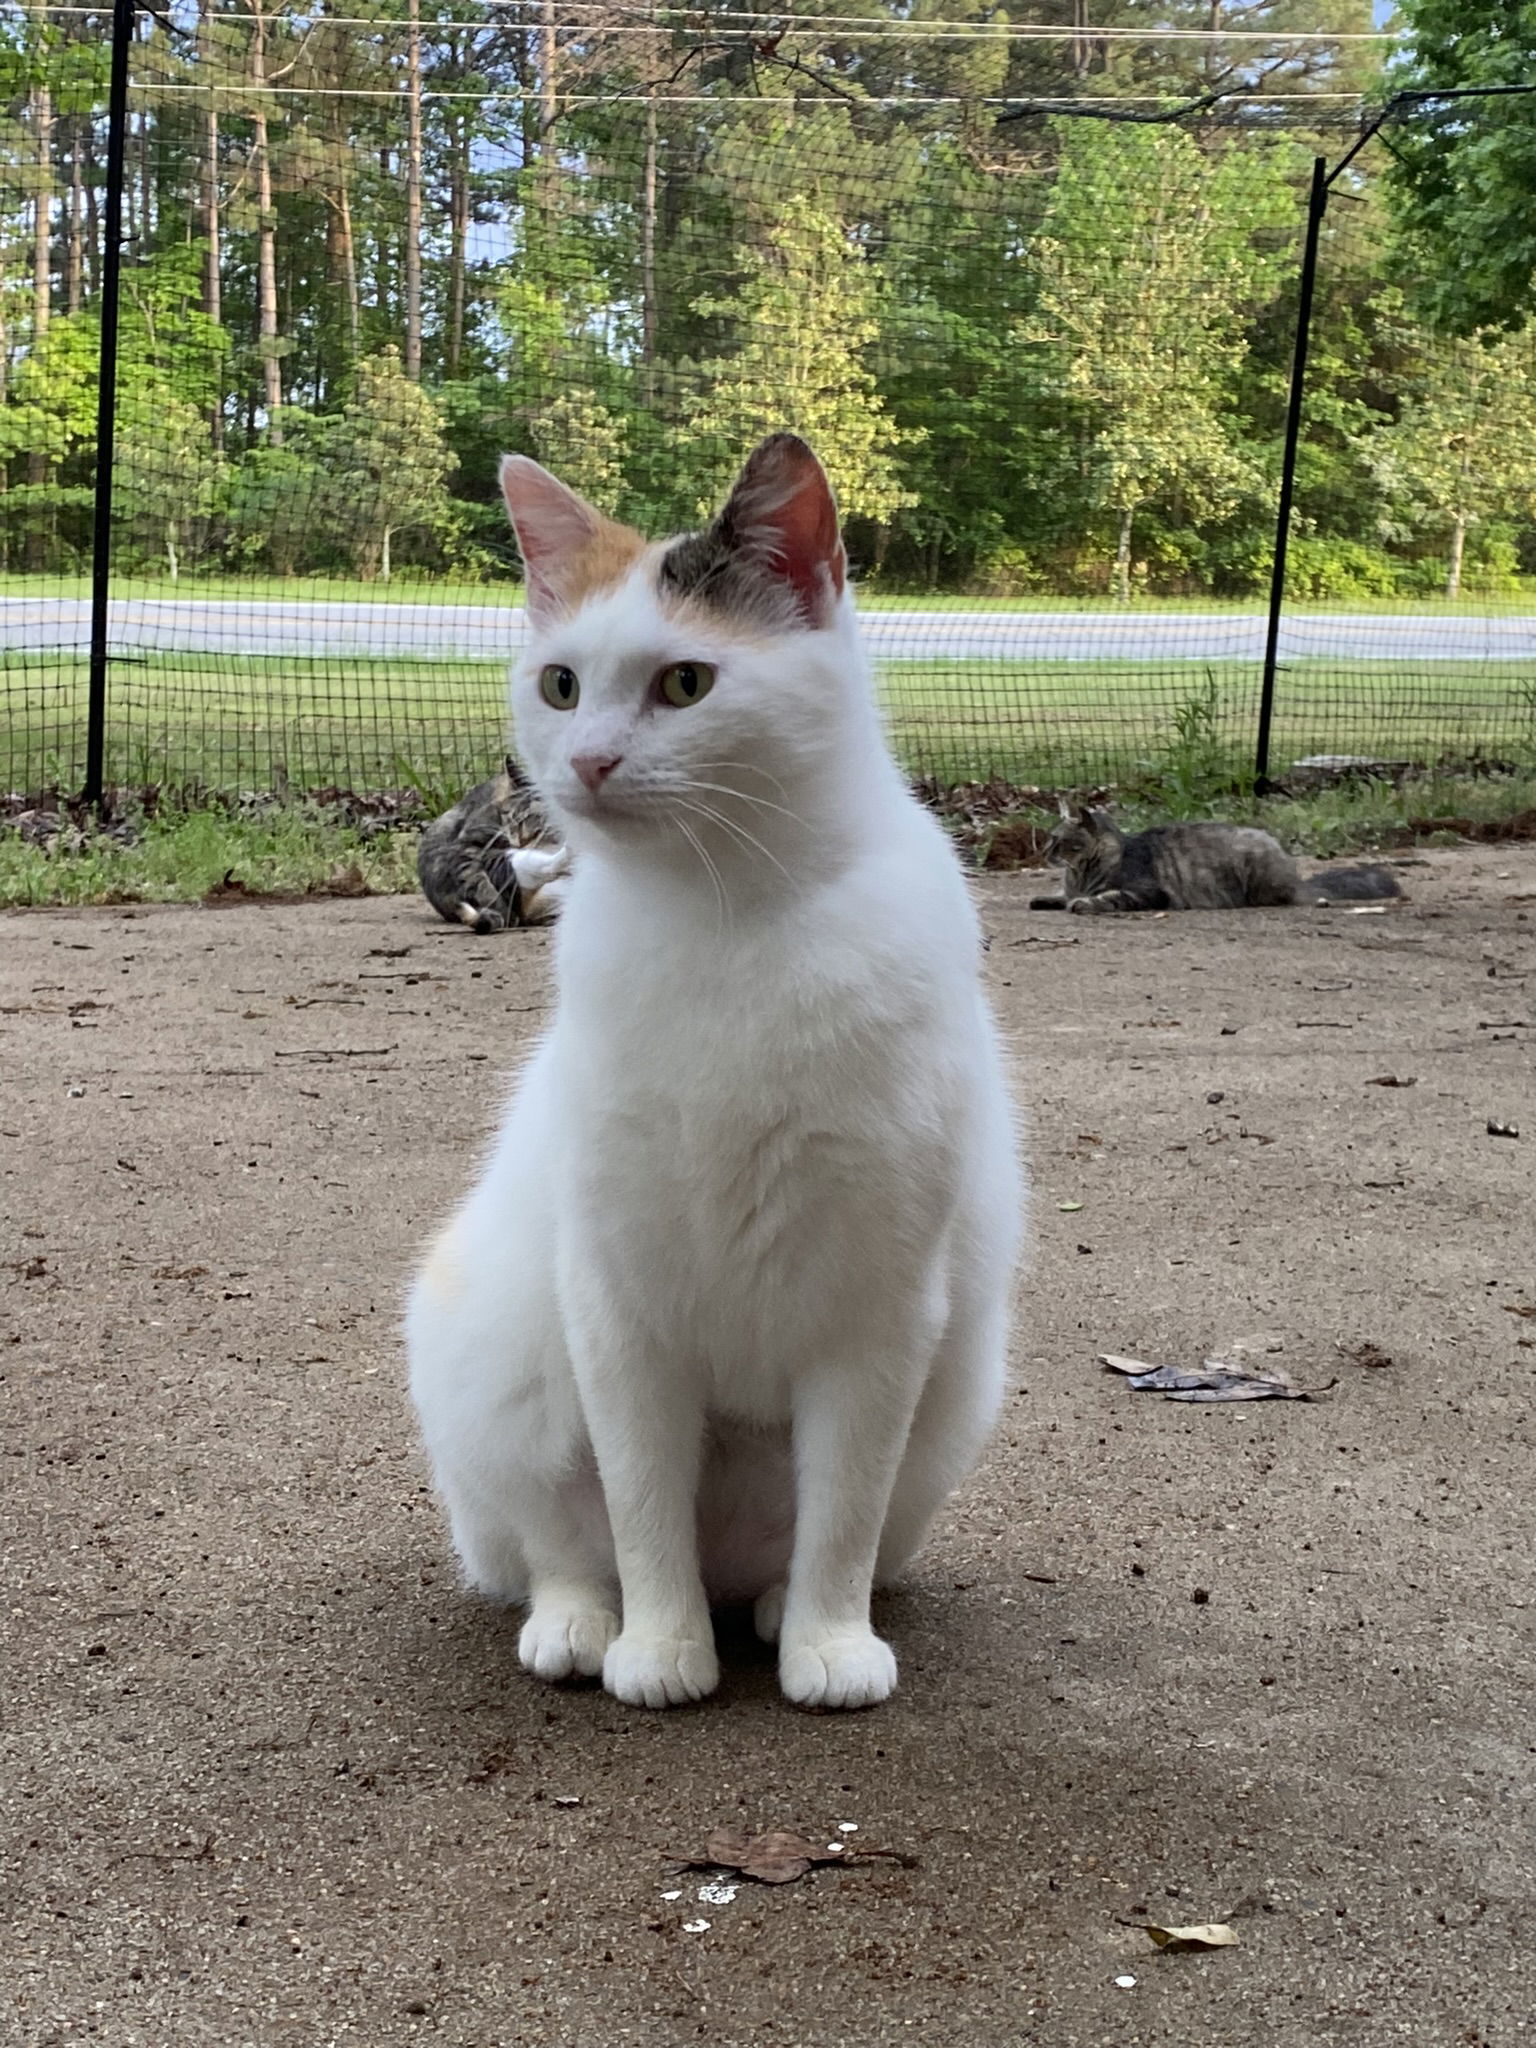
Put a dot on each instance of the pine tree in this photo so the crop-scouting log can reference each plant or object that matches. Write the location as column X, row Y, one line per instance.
column 803, row 320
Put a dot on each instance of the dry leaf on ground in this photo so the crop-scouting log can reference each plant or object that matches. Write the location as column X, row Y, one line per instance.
column 1216, row 1380
column 1210, row 1935
column 1393, row 1081
column 780, row 1855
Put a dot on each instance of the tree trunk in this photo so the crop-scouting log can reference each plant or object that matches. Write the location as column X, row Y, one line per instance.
column 344, row 269
column 648, row 255
column 42, row 294
column 1123, row 557
column 92, row 218
column 1458, row 549
column 172, row 562
column 384, row 256
column 42, row 213
column 458, row 247
column 413, row 201
column 266, row 244
column 349, row 264
column 146, row 188
column 74, row 251
column 384, row 555
column 213, row 257
column 549, row 153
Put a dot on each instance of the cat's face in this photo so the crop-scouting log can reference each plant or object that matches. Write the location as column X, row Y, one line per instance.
column 1076, row 838
column 665, row 682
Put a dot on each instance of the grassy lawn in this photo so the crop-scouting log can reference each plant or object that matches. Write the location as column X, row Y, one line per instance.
column 230, row 722
column 339, row 590
column 267, row 589
column 306, row 848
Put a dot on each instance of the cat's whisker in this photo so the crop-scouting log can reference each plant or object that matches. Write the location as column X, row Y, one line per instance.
column 745, row 768
column 762, row 802
column 740, row 833
column 713, row 872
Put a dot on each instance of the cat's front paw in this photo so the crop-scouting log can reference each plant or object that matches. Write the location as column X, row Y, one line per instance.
column 852, row 1668
column 564, row 1640
column 660, row 1671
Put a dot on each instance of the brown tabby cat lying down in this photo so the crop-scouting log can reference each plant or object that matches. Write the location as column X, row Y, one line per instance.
column 1189, row 867
column 480, row 864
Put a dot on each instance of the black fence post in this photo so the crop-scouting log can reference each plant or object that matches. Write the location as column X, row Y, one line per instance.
column 106, row 399
column 1317, row 204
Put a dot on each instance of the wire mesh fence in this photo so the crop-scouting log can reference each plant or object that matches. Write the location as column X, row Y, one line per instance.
column 1044, row 358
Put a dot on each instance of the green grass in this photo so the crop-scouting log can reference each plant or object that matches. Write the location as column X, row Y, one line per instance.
column 230, row 722
column 182, row 855
column 509, row 592
column 300, row 849
column 264, row 589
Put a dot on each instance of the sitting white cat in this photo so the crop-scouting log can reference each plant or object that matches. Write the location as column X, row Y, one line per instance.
column 726, row 1316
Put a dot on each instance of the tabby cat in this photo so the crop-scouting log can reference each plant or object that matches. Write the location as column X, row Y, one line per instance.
column 480, row 863
column 1189, row 867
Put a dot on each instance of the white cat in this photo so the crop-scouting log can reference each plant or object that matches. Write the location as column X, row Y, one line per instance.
column 725, row 1317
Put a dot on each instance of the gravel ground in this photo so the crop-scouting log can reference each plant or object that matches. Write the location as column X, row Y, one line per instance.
column 270, row 1776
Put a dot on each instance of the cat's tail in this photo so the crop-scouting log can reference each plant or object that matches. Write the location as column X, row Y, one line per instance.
column 1367, row 884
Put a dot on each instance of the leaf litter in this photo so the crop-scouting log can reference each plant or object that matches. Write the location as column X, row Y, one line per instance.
column 1217, row 1380
column 780, row 1855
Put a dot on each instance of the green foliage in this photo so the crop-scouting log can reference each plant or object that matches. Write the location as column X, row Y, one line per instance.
column 1463, row 447
column 1038, row 357
column 177, row 856
column 801, row 325
column 166, row 476
column 1334, row 571
column 1464, row 171
column 1150, row 262
column 1202, row 765
column 383, row 464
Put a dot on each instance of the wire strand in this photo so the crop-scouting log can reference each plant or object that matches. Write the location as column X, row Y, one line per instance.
column 849, row 28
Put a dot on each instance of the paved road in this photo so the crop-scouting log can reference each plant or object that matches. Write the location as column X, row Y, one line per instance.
column 435, row 632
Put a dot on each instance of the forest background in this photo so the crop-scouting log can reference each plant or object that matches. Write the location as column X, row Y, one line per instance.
column 367, row 250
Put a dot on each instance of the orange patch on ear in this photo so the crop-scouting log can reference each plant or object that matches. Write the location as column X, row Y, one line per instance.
column 602, row 563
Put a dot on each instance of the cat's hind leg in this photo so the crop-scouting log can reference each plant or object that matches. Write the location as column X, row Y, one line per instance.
column 955, row 1415
column 510, row 1457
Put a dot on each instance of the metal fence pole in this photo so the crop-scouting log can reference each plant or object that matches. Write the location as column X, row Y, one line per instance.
column 106, row 399
column 1317, row 204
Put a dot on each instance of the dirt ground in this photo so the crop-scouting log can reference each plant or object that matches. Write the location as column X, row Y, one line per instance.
column 270, row 1776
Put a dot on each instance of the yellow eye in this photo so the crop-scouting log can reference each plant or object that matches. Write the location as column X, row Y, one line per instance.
column 558, row 686
column 685, row 682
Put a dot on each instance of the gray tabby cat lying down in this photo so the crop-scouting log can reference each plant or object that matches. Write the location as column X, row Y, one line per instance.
column 1189, row 867
column 479, row 864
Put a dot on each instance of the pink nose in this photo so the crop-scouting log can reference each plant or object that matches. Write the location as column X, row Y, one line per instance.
column 595, row 769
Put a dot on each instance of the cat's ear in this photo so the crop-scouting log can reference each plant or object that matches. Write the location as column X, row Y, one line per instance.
column 781, row 522
column 568, row 547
